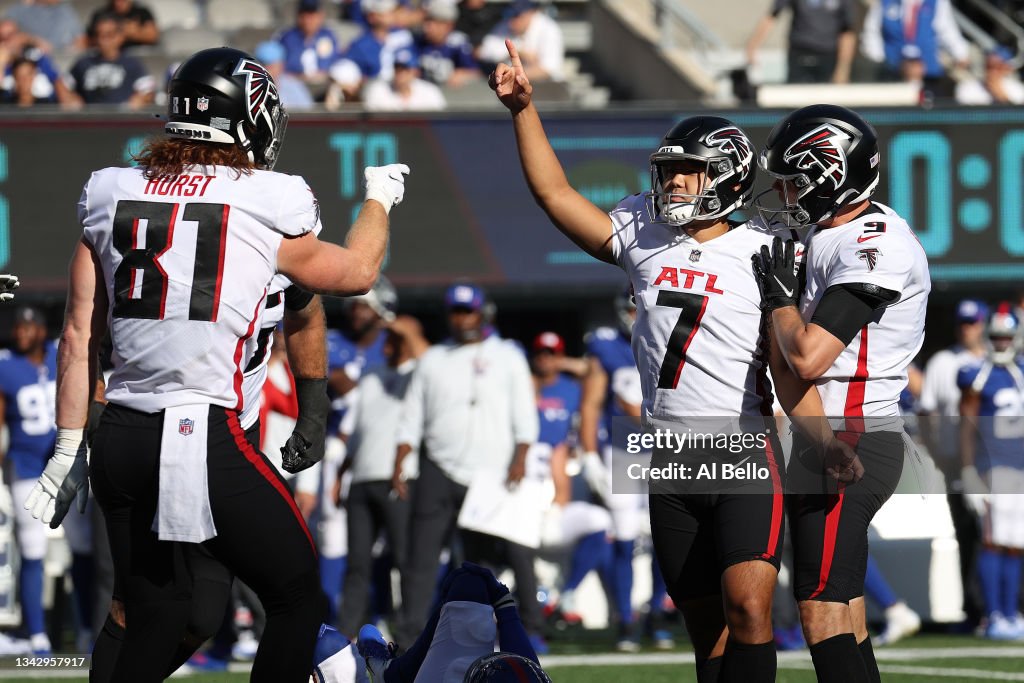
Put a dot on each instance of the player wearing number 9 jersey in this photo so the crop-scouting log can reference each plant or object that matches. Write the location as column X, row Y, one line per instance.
column 176, row 259
column 699, row 343
column 850, row 334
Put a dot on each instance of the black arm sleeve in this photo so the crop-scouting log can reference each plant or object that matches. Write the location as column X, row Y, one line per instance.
column 296, row 298
column 845, row 309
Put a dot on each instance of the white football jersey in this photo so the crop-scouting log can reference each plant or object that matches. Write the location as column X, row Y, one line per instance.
column 187, row 262
column 879, row 248
column 699, row 340
column 255, row 372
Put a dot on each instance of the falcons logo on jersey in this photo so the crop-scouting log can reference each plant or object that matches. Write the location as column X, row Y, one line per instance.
column 869, row 256
column 731, row 140
column 258, row 84
column 821, row 147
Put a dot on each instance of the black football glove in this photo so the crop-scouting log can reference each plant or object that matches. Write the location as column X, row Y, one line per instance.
column 776, row 275
column 305, row 447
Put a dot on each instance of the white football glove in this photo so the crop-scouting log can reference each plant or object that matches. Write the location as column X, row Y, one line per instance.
column 975, row 490
column 385, row 184
column 8, row 283
column 596, row 474
column 65, row 479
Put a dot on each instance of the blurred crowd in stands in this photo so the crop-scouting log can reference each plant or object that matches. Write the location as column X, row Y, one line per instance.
column 411, row 55
column 399, row 55
column 915, row 41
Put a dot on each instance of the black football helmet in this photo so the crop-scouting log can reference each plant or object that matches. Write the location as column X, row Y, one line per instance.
column 829, row 154
column 727, row 157
column 223, row 95
column 505, row 667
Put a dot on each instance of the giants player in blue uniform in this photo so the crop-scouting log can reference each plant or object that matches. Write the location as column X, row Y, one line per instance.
column 586, row 525
column 611, row 391
column 992, row 452
column 28, row 376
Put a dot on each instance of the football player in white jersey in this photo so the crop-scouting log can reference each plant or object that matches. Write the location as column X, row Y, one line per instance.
column 176, row 259
column 850, row 335
column 700, row 347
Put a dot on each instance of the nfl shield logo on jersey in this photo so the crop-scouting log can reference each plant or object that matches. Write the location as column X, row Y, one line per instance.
column 694, row 255
column 202, row 103
column 185, row 426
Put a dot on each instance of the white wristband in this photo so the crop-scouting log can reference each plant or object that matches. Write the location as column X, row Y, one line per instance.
column 69, row 439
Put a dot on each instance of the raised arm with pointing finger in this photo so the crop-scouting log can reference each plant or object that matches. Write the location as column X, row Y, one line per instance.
column 572, row 213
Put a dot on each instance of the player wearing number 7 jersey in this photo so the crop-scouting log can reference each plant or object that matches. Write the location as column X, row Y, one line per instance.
column 700, row 345
column 177, row 259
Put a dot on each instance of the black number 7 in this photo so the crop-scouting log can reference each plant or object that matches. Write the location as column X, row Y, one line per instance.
column 693, row 306
column 148, row 298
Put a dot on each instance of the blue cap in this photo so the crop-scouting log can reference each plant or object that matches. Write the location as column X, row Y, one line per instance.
column 971, row 311
column 517, row 7
column 464, row 296
column 309, row 5
column 28, row 314
column 406, row 57
column 1004, row 54
column 269, row 52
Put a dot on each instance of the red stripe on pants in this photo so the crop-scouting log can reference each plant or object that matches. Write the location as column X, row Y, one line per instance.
column 828, row 548
column 773, row 539
column 264, row 469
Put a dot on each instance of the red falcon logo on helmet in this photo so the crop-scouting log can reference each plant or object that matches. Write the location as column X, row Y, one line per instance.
column 258, row 84
column 822, row 148
column 731, row 140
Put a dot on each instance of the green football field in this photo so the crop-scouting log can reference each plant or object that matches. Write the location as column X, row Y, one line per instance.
column 925, row 658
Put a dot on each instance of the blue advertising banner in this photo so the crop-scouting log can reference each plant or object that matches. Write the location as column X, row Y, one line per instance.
column 957, row 175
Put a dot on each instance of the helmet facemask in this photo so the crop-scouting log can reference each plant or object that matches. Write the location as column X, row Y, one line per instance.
column 780, row 203
column 261, row 132
column 680, row 208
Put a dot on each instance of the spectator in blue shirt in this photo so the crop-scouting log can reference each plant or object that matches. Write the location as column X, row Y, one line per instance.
column 294, row 93
column 374, row 50
column 29, row 76
column 106, row 75
column 310, row 47
column 446, row 55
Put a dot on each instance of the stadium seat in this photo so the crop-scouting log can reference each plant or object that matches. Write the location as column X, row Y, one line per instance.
column 84, row 8
column 231, row 15
column 179, row 42
column 172, row 13
column 248, row 38
column 345, row 31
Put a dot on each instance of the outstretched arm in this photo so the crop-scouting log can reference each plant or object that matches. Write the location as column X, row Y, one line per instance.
column 572, row 213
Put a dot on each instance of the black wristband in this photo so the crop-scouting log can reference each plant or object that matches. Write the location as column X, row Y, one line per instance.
column 314, row 406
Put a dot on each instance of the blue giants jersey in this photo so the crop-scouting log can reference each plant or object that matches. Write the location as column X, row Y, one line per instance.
column 612, row 350
column 1001, row 413
column 343, row 352
column 29, row 393
column 557, row 403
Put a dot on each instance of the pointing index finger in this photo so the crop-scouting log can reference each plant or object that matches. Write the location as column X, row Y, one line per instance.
column 513, row 53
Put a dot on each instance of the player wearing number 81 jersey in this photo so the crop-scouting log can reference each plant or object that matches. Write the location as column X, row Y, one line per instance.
column 176, row 259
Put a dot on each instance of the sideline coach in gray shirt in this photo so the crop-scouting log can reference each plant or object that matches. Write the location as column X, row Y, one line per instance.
column 471, row 405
